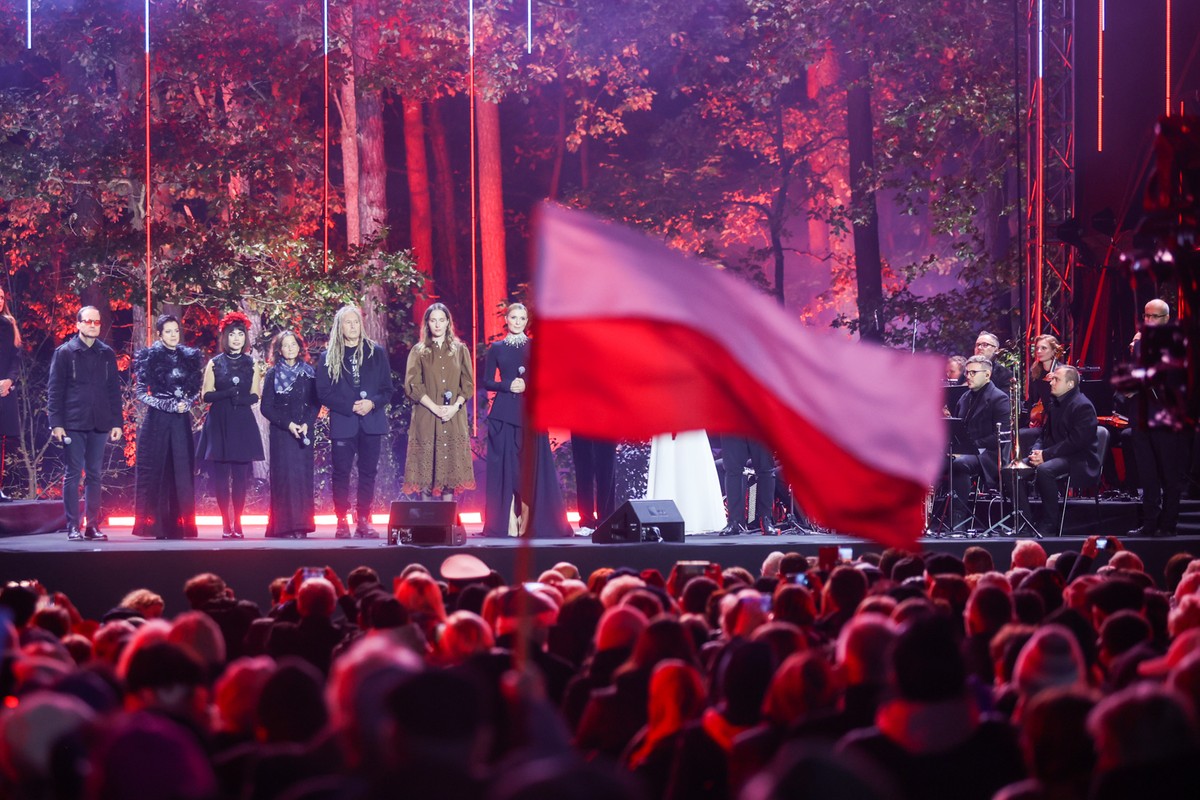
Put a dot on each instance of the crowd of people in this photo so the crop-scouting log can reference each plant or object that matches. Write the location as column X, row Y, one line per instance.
column 895, row 675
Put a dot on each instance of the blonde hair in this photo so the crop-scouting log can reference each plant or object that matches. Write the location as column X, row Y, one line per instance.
column 336, row 351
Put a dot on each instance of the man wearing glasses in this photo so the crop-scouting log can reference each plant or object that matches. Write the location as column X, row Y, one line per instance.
column 84, row 399
column 984, row 410
column 1067, row 444
column 986, row 345
column 1159, row 453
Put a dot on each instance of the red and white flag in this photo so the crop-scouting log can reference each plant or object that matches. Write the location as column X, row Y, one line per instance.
column 634, row 339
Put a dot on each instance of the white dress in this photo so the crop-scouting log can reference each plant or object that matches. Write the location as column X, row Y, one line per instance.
column 682, row 469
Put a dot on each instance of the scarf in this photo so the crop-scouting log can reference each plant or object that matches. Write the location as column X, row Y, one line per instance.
column 285, row 376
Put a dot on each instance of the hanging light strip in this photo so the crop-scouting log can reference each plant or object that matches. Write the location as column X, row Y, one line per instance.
column 528, row 26
column 1168, row 71
column 28, row 24
column 1100, row 81
column 475, row 316
column 325, row 144
column 146, row 90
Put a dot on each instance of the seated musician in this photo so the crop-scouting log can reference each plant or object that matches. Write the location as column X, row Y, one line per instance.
column 982, row 407
column 1066, row 444
column 987, row 345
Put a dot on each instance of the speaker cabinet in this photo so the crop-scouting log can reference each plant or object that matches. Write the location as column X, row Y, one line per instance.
column 641, row 521
column 433, row 522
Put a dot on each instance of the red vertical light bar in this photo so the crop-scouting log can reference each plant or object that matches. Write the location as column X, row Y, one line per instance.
column 475, row 316
column 149, row 302
column 1039, row 192
column 1100, row 80
column 1168, row 72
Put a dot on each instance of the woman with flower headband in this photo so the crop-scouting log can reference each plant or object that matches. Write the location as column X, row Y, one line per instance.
column 535, row 496
column 290, row 404
column 230, row 437
column 168, row 382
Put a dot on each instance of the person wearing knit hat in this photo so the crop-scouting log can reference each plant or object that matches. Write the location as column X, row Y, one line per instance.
column 230, row 438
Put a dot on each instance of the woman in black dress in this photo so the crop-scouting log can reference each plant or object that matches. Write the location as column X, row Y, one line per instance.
column 290, row 404
column 230, row 438
column 536, row 497
column 10, row 363
column 168, row 382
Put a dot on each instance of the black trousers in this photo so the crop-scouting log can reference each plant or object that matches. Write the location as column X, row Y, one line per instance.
column 1161, row 457
column 595, row 478
column 735, row 452
column 365, row 448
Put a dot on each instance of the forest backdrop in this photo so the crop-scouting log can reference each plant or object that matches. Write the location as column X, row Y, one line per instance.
column 857, row 159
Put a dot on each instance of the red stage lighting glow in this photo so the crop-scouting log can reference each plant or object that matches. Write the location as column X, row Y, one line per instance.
column 470, row 518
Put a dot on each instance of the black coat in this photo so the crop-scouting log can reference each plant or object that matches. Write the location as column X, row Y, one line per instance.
column 1070, row 433
column 512, row 362
column 981, row 411
column 84, row 392
column 10, row 364
column 375, row 378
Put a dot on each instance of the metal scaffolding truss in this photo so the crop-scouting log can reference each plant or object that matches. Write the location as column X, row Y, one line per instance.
column 1050, row 176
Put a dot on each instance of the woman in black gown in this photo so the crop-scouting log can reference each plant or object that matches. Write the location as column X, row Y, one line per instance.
column 535, row 497
column 168, row 382
column 10, row 363
column 230, row 438
column 290, row 404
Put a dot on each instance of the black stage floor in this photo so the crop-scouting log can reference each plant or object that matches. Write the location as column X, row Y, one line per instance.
column 97, row 575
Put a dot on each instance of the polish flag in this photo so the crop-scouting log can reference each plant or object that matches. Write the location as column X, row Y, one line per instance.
column 634, row 339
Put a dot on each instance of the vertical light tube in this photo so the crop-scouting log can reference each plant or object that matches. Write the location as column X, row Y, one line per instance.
column 28, row 24
column 1168, row 70
column 325, row 144
column 149, row 302
column 1039, row 193
column 474, row 207
column 528, row 26
column 1100, row 81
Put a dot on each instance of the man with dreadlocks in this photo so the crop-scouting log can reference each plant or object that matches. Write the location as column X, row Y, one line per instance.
column 354, row 381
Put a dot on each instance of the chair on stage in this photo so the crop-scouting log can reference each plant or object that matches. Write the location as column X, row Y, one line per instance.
column 1091, row 481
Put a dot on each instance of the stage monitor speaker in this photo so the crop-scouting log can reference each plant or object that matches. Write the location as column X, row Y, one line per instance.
column 432, row 522
column 641, row 521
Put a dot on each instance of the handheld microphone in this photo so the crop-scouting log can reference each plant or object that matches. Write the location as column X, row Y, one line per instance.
column 447, row 397
column 236, row 380
column 66, row 440
column 362, row 395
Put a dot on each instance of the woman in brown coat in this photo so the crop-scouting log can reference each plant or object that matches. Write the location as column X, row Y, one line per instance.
column 439, row 379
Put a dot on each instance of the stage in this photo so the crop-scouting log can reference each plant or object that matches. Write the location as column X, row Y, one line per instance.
column 96, row 575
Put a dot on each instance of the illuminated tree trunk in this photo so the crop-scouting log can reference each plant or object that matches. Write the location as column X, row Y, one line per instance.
column 365, row 166
column 868, row 264
column 420, row 211
column 491, row 215
column 447, row 267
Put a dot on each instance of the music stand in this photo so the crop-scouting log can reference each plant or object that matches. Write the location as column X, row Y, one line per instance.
column 957, row 442
column 1013, row 523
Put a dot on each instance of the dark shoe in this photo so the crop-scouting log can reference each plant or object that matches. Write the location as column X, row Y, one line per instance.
column 363, row 530
column 74, row 534
column 767, row 527
column 1144, row 530
column 343, row 530
column 732, row 529
column 1166, row 532
column 94, row 534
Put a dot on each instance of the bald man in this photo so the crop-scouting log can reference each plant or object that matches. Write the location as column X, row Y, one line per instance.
column 1160, row 453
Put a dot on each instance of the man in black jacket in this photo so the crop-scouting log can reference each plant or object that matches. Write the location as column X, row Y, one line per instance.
column 1067, row 444
column 84, row 400
column 354, row 381
column 987, row 345
column 984, row 409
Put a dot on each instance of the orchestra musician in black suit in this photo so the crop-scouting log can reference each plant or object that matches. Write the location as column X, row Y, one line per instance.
column 987, row 345
column 1066, row 444
column 985, row 411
